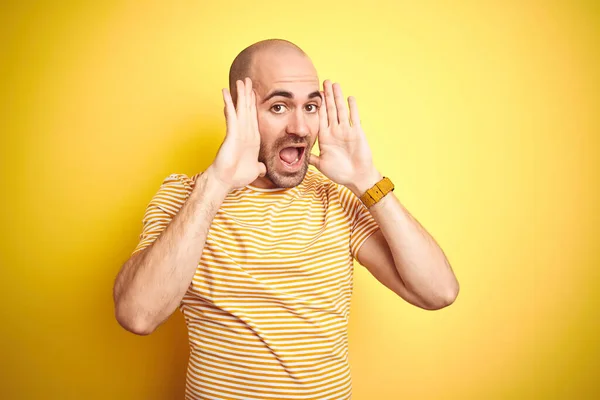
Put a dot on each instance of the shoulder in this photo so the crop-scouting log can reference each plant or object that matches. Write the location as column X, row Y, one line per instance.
column 316, row 181
column 336, row 196
column 174, row 191
column 181, row 181
column 318, row 185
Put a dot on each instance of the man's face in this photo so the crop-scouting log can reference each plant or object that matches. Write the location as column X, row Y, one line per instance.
column 288, row 99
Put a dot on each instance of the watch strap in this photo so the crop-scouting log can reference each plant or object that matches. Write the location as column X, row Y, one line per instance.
column 377, row 192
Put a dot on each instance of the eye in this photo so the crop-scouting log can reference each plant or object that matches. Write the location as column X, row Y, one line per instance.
column 278, row 108
column 312, row 108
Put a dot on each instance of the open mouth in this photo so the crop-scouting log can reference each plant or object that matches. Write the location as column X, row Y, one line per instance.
column 291, row 157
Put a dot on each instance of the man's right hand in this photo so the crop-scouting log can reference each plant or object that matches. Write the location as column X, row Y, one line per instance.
column 236, row 164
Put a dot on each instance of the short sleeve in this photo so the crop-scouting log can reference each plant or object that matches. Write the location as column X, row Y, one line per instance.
column 363, row 225
column 166, row 203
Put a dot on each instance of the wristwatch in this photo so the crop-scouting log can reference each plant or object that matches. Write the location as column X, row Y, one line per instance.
column 377, row 192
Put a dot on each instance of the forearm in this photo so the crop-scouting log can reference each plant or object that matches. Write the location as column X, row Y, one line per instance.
column 419, row 260
column 152, row 283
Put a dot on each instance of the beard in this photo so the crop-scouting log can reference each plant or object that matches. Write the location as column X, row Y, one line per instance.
column 275, row 173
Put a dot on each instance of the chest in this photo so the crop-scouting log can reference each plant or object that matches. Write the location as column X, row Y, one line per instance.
column 277, row 251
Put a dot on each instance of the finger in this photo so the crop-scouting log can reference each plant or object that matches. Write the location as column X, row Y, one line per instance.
column 314, row 160
column 254, row 112
column 330, row 102
column 229, row 108
column 248, row 87
column 340, row 104
column 241, row 98
column 322, row 115
column 354, row 116
column 262, row 169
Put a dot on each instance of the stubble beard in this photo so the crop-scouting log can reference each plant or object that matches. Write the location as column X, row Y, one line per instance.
column 271, row 160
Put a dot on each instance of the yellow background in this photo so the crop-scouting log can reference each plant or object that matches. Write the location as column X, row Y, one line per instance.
column 485, row 115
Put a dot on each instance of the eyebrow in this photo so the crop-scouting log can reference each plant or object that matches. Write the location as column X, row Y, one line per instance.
column 289, row 95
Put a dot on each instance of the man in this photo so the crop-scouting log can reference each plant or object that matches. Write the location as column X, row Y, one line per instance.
column 257, row 251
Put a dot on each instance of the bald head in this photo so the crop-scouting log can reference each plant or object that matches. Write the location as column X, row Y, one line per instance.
column 244, row 65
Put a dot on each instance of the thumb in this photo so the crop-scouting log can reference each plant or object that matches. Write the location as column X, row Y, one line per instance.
column 314, row 160
column 262, row 169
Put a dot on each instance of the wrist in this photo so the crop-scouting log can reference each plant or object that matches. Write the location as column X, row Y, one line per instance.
column 364, row 182
column 212, row 183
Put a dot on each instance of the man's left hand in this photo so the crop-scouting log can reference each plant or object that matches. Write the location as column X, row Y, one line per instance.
column 345, row 156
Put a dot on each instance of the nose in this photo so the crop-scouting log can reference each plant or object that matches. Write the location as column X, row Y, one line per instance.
column 297, row 124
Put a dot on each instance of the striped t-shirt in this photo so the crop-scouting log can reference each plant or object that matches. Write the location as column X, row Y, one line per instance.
column 267, row 310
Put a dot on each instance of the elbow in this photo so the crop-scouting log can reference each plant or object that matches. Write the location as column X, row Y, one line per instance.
column 443, row 298
column 132, row 322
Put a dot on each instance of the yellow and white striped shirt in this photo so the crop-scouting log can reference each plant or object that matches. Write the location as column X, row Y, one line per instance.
column 267, row 310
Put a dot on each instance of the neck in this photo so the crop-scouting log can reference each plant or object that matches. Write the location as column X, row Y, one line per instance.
column 263, row 183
